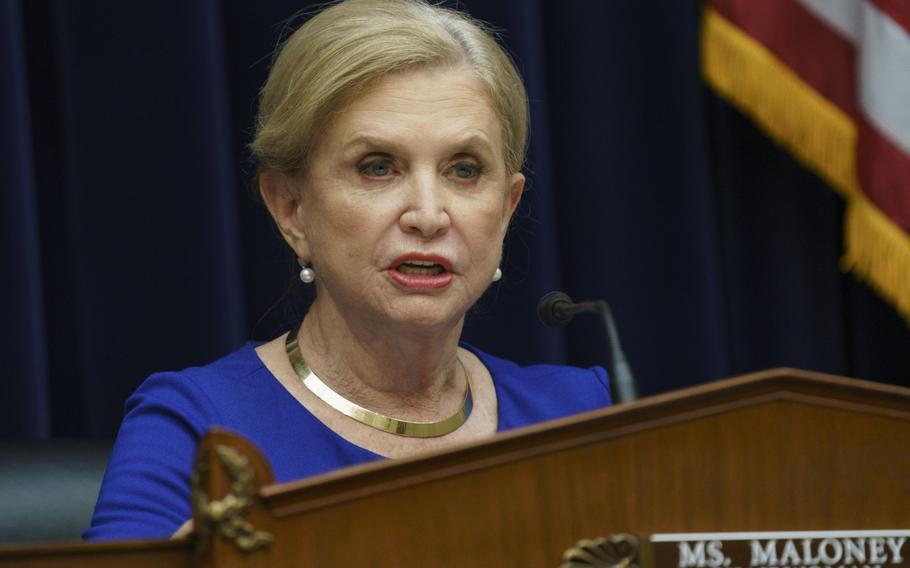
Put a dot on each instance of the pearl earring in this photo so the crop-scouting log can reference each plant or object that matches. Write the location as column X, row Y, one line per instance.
column 497, row 276
column 307, row 274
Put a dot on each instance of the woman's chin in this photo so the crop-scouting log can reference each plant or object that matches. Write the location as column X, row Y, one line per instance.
column 427, row 312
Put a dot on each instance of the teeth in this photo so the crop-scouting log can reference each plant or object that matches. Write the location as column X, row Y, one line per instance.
column 420, row 263
column 421, row 269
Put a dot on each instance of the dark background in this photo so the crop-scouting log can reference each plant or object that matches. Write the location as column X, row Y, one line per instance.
column 131, row 243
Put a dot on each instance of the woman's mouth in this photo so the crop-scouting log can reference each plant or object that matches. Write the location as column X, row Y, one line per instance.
column 421, row 273
column 420, row 268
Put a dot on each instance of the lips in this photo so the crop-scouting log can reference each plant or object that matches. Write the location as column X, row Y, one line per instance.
column 421, row 271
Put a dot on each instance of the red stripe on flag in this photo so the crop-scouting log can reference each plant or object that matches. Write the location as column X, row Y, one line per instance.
column 897, row 10
column 884, row 171
column 821, row 56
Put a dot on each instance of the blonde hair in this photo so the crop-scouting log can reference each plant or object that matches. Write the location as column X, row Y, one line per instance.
column 335, row 55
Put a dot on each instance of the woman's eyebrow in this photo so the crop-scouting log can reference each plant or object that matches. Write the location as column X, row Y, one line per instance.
column 474, row 142
column 472, row 137
column 365, row 140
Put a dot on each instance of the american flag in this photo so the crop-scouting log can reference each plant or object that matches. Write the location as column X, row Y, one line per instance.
column 830, row 81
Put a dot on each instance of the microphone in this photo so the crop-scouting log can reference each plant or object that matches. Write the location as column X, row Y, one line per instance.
column 556, row 309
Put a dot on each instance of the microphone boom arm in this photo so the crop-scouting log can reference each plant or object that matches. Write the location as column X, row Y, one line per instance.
column 557, row 309
column 623, row 381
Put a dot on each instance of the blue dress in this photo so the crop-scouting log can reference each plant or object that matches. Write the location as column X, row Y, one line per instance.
column 146, row 490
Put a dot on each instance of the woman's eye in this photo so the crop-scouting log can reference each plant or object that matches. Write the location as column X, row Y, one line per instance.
column 466, row 170
column 376, row 168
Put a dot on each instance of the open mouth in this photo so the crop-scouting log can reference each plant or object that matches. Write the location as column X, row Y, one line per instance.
column 421, row 272
column 420, row 268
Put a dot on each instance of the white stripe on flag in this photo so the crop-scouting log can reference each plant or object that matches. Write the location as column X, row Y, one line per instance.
column 841, row 15
column 884, row 75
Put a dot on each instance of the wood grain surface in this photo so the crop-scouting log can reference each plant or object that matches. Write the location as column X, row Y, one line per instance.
column 777, row 450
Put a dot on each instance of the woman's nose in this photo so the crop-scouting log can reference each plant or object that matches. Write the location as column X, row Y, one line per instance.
column 426, row 211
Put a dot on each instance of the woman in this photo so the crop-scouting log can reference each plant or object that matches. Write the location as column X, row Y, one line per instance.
column 390, row 141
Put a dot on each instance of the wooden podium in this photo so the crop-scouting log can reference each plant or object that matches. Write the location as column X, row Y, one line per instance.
column 779, row 450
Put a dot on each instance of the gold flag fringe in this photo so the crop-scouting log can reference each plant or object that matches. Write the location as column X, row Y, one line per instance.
column 820, row 135
column 878, row 251
column 816, row 131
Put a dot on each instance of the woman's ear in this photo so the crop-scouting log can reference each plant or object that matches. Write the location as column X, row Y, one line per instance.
column 516, row 188
column 281, row 193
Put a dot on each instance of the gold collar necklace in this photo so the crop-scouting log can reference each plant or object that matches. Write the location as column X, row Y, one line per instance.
column 369, row 417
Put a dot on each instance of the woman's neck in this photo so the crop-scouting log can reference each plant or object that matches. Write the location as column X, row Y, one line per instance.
column 388, row 368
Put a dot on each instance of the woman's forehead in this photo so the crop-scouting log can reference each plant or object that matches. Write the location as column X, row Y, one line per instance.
column 443, row 103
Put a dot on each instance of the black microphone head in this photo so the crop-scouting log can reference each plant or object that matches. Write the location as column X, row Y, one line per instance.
column 547, row 312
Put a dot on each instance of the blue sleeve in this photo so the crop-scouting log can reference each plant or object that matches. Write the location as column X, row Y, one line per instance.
column 604, row 380
column 146, row 488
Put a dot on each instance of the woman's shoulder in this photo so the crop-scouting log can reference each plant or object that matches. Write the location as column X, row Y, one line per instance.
column 146, row 486
column 537, row 370
column 505, row 370
column 532, row 393
column 235, row 366
column 203, row 384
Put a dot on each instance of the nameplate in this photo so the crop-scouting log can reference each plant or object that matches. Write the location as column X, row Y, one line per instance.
column 804, row 549
column 847, row 549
